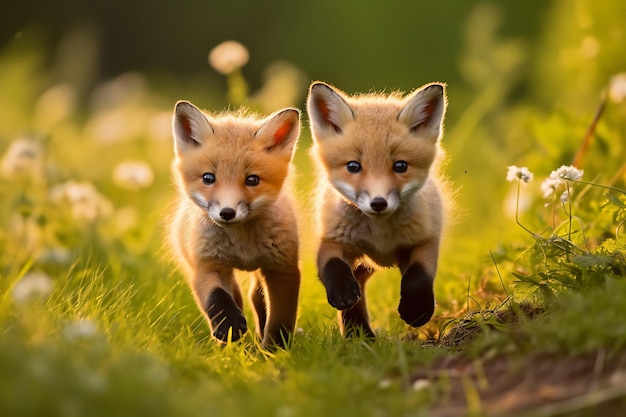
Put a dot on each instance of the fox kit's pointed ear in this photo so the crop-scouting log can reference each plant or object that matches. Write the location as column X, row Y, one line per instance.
column 328, row 111
column 280, row 131
column 424, row 111
column 190, row 126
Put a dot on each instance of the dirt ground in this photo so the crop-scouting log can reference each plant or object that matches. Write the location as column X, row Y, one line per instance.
column 590, row 385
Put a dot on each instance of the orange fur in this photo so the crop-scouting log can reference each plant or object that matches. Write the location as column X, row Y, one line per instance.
column 235, row 212
column 379, row 198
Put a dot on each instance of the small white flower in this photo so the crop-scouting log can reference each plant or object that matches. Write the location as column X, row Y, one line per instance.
column 33, row 285
column 568, row 173
column 565, row 197
column 421, row 384
column 557, row 181
column 518, row 173
column 82, row 329
column 133, row 175
column 24, row 158
column 617, row 87
column 550, row 185
column 228, row 56
column 85, row 200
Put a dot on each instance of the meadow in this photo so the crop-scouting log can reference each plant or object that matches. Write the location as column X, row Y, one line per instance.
column 95, row 319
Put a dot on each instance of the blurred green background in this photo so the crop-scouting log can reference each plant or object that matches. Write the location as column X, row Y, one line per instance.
column 96, row 81
column 94, row 317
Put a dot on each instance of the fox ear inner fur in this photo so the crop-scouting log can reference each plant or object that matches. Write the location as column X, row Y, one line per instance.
column 424, row 111
column 190, row 126
column 327, row 109
column 280, row 130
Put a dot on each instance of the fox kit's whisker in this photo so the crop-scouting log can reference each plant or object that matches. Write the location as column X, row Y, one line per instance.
column 376, row 153
column 231, row 170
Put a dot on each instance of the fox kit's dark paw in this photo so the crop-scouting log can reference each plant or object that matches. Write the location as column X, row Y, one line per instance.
column 342, row 290
column 224, row 315
column 417, row 299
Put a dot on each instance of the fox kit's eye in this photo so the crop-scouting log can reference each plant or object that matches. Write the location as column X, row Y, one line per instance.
column 353, row 167
column 252, row 180
column 208, row 178
column 400, row 166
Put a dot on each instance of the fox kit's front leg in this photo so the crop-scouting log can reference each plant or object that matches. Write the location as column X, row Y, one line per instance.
column 418, row 266
column 345, row 288
column 218, row 296
column 342, row 289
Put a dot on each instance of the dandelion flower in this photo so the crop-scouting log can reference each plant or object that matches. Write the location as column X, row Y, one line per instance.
column 33, row 285
column 85, row 200
column 617, row 87
column 24, row 158
column 518, row 173
column 133, row 175
column 228, row 56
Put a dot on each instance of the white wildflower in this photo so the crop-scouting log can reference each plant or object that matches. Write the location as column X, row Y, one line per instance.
column 557, row 181
column 24, row 158
column 518, row 173
column 617, row 87
column 421, row 384
column 228, row 56
column 84, row 199
column 568, row 173
column 133, row 175
column 565, row 197
column 82, row 329
column 550, row 186
column 33, row 285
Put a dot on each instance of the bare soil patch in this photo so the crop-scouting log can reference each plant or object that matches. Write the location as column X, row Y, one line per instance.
column 541, row 385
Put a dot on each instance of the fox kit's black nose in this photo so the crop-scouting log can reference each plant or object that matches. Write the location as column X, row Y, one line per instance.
column 228, row 214
column 378, row 204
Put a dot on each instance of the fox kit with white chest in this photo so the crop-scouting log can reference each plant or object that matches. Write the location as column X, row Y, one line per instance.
column 235, row 212
column 379, row 199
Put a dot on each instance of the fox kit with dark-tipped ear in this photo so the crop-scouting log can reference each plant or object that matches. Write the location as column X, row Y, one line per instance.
column 379, row 199
column 235, row 212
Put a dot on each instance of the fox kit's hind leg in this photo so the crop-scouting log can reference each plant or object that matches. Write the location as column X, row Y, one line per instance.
column 280, row 290
column 355, row 319
column 257, row 298
column 219, row 298
column 418, row 266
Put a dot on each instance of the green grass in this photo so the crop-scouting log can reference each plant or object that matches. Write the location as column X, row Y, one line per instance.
column 110, row 327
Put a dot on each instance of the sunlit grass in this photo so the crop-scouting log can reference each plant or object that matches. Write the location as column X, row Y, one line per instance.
column 96, row 320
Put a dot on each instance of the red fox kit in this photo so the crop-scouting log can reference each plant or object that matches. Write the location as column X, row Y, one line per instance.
column 234, row 212
column 379, row 202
